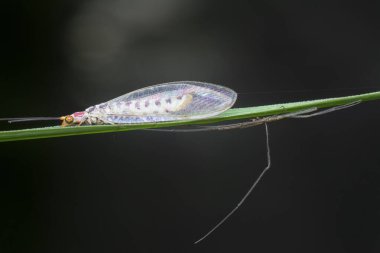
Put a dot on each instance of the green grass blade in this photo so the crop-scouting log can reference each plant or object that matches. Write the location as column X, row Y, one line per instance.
column 232, row 114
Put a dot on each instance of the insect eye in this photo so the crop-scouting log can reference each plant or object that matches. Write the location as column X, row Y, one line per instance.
column 69, row 119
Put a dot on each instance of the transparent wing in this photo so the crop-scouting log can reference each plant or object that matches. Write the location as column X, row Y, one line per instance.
column 185, row 100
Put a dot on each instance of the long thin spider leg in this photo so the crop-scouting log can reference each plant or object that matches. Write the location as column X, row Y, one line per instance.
column 333, row 109
column 246, row 124
column 209, row 128
column 258, row 179
column 259, row 121
column 256, row 122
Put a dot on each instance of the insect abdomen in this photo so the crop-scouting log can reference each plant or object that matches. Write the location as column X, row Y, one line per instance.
column 165, row 105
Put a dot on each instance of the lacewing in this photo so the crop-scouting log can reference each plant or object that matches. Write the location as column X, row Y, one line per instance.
column 184, row 100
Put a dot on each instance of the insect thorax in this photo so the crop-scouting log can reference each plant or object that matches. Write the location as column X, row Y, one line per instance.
column 93, row 120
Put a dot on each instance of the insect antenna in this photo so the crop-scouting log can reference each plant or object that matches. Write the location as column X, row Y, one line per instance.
column 253, row 186
column 14, row 120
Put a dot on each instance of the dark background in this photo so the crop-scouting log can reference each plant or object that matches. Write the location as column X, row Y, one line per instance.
column 159, row 192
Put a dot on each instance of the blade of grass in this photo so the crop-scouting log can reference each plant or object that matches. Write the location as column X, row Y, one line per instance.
column 232, row 114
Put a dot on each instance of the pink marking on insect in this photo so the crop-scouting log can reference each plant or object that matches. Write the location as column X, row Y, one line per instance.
column 75, row 118
column 78, row 114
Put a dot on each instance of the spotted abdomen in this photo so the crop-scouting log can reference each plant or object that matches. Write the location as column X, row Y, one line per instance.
column 150, row 106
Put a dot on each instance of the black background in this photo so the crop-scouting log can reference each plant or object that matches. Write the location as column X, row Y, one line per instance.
column 159, row 192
